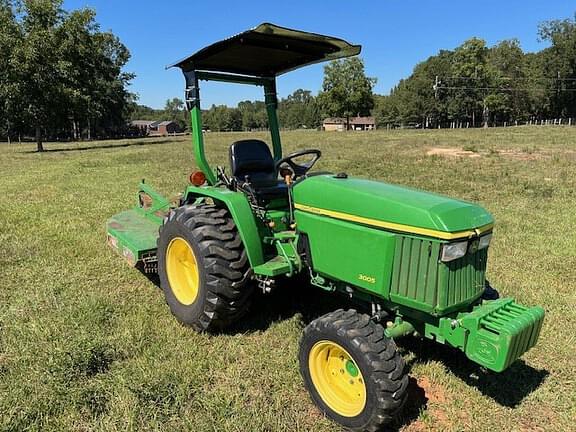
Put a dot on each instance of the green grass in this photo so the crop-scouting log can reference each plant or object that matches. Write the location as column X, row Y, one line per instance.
column 87, row 343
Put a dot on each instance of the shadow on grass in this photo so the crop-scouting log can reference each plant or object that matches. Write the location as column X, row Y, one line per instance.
column 107, row 146
column 297, row 296
column 416, row 402
column 507, row 388
column 290, row 297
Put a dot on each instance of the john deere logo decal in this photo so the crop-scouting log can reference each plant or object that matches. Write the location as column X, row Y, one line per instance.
column 487, row 352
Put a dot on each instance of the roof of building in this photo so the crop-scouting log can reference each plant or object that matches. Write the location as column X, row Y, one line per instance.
column 351, row 120
column 142, row 122
column 266, row 51
column 334, row 120
column 151, row 123
column 362, row 120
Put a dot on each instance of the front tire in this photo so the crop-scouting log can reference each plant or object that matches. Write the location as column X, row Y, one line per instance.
column 353, row 372
column 203, row 267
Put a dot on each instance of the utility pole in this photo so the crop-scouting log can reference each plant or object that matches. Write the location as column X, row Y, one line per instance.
column 435, row 87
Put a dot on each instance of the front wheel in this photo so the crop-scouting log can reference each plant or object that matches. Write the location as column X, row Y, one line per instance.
column 353, row 372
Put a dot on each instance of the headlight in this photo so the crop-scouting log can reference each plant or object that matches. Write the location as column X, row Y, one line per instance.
column 452, row 251
column 484, row 241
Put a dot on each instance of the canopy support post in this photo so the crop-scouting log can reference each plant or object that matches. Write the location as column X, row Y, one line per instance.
column 271, row 101
column 192, row 97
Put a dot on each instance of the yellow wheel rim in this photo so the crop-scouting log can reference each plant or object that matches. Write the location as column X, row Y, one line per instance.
column 182, row 271
column 337, row 378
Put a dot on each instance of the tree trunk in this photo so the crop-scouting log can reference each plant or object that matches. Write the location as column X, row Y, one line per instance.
column 39, row 145
column 89, row 134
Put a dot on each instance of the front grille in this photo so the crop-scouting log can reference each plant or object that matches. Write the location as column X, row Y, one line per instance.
column 465, row 278
column 420, row 280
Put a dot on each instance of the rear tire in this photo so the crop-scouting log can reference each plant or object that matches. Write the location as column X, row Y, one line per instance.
column 200, row 251
column 353, row 372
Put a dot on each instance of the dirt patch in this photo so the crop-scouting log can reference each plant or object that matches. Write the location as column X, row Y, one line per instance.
column 460, row 152
column 434, row 393
column 435, row 398
column 451, row 152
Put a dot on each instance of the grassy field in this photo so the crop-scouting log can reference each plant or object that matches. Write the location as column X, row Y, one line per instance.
column 87, row 343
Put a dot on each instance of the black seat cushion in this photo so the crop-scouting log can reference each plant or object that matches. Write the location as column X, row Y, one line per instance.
column 252, row 158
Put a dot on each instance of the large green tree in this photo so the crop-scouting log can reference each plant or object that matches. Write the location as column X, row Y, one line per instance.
column 559, row 61
column 473, row 75
column 63, row 73
column 221, row 118
column 479, row 85
column 174, row 110
column 9, row 98
column 299, row 110
column 253, row 115
column 346, row 90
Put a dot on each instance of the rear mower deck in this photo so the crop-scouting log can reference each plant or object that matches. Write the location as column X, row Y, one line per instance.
column 132, row 235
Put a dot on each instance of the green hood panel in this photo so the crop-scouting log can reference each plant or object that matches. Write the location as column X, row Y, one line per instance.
column 389, row 203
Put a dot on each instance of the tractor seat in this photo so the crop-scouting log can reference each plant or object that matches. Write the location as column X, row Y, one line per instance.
column 252, row 158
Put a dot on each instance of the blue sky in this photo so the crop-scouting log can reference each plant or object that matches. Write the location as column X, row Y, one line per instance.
column 395, row 34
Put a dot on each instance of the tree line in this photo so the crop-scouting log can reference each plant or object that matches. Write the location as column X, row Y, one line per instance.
column 298, row 110
column 476, row 85
column 60, row 76
column 346, row 91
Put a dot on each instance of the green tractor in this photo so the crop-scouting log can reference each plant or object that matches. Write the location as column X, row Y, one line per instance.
column 412, row 262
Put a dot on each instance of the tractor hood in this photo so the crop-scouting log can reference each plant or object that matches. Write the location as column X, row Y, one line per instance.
column 391, row 207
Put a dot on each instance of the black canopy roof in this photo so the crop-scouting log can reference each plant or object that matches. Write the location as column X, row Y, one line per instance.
column 267, row 50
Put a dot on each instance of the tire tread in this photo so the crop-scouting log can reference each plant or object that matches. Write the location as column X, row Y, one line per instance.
column 226, row 267
column 386, row 365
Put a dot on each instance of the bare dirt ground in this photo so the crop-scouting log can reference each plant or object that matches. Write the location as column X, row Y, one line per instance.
column 460, row 152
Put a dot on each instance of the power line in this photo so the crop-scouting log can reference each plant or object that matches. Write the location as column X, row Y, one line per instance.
column 510, row 78
column 558, row 88
column 509, row 89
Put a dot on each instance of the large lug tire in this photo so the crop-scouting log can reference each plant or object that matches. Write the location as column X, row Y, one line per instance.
column 203, row 267
column 353, row 372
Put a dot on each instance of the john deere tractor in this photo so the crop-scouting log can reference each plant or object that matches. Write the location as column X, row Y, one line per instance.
column 412, row 262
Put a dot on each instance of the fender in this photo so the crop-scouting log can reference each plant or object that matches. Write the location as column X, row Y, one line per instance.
column 240, row 210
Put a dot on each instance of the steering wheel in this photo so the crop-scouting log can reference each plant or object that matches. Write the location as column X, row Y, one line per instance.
column 299, row 169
